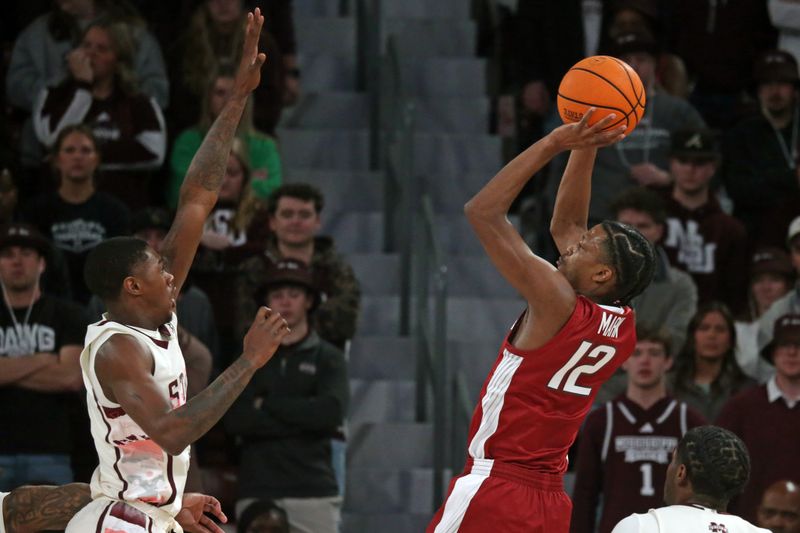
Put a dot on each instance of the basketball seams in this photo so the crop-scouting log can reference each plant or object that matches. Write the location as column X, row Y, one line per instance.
column 592, row 81
column 621, row 111
column 611, row 83
column 633, row 88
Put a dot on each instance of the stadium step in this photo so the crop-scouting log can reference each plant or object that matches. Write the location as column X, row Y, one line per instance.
column 350, row 110
column 382, row 357
column 380, row 401
column 348, row 150
column 415, row 37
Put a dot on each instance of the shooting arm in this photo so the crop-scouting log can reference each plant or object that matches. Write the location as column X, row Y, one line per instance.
column 571, row 211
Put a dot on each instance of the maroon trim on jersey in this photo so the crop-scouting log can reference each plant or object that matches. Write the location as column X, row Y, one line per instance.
column 117, row 452
column 102, row 517
column 150, row 526
column 113, row 412
column 171, row 478
column 129, row 514
column 158, row 342
column 525, row 476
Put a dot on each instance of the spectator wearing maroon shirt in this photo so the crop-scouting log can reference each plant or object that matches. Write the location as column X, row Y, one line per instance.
column 101, row 91
column 779, row 510
column 767, row 417
column 702, row 239
column 625, row 445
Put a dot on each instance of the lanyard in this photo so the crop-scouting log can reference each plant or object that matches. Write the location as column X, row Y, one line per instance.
column 789, row 155
column 647, row 124
column 19, row 328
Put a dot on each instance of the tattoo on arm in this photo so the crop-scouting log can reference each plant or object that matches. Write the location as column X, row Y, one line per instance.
column 200, row 413
column 208, row 165
column 36, row 508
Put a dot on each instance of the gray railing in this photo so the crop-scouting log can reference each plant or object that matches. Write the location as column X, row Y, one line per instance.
column 409, row 230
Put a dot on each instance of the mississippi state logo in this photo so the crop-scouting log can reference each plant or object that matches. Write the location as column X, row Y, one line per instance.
column 717, row 528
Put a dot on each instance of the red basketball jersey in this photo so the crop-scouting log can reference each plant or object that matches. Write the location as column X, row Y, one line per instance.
column 533, row 402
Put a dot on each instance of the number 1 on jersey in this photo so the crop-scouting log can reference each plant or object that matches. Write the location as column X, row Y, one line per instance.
column 570, row 383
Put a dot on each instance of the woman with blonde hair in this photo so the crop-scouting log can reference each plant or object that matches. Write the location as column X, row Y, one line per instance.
column 102, row 92
column 264, row 161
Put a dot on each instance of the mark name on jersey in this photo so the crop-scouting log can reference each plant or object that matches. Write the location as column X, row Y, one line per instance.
column 609, row 325
column 717, row 528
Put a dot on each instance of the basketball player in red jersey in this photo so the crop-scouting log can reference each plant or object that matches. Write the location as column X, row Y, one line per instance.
column 573, row 335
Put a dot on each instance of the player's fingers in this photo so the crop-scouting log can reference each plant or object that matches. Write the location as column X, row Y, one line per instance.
column 260, row 59
column 209, row 525
column 586, row 116
column 603, row 123
column 215, row 508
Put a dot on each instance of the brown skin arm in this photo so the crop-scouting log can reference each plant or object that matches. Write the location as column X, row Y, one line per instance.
column 124, row 367
column 199, row 190
column 36, row 508
column 43, row 507
column 551, row 298
column 63, row 374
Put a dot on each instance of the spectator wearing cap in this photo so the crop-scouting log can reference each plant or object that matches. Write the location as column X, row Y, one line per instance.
column 761, row 153
column 719, row 42
column 287, row 413
column 642, row 158
column 700, row 238
column 790, row 302
column 771, row 278
column 41, row 338
column 767, row 417
column 294, row 212
column 76, row 217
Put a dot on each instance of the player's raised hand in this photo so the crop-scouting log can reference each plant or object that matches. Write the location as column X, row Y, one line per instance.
column 264, row 336
column 249, row 73
column 579, row 135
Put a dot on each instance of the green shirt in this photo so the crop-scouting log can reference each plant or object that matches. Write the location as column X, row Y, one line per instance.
column 262, row 150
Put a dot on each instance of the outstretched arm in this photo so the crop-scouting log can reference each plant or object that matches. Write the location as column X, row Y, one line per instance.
column 571, row 210
column 198, row 192
column 537, row 280
column 124, row 367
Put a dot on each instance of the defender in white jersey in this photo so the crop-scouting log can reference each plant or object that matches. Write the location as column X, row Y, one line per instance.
column 49, row 507
column 708, row 468
column 132, row 366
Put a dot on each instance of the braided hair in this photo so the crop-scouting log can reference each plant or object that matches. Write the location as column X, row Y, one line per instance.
column 633, row 259
column 716, row 461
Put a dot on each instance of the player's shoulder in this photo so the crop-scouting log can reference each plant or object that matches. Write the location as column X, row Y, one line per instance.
column 637, row 523
column 707, row 519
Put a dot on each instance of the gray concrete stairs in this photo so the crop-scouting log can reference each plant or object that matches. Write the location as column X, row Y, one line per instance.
column 324, row 140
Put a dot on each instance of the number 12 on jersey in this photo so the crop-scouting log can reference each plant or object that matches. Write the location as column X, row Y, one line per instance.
column 572, row 372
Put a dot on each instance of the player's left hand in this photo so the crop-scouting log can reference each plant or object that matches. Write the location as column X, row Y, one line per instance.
column 580, row 135
column 249, row 73
column 192, row 516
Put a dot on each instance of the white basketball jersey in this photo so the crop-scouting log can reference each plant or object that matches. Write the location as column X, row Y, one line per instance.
column 132, row 467
column 2, row 520
column 685, row 519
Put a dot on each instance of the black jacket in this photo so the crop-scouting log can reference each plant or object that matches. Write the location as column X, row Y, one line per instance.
column 285, row 419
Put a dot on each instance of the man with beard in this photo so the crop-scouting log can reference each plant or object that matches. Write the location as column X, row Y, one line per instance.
column 701, row 238
column 625, row 445
column 761, row 153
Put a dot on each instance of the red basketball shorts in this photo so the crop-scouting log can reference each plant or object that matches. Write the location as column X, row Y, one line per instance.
column 500, row 497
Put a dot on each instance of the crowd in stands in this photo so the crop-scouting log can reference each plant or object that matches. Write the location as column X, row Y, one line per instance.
column 105, row 103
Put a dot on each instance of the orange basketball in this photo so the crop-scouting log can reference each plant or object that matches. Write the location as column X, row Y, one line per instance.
column 605, row 83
